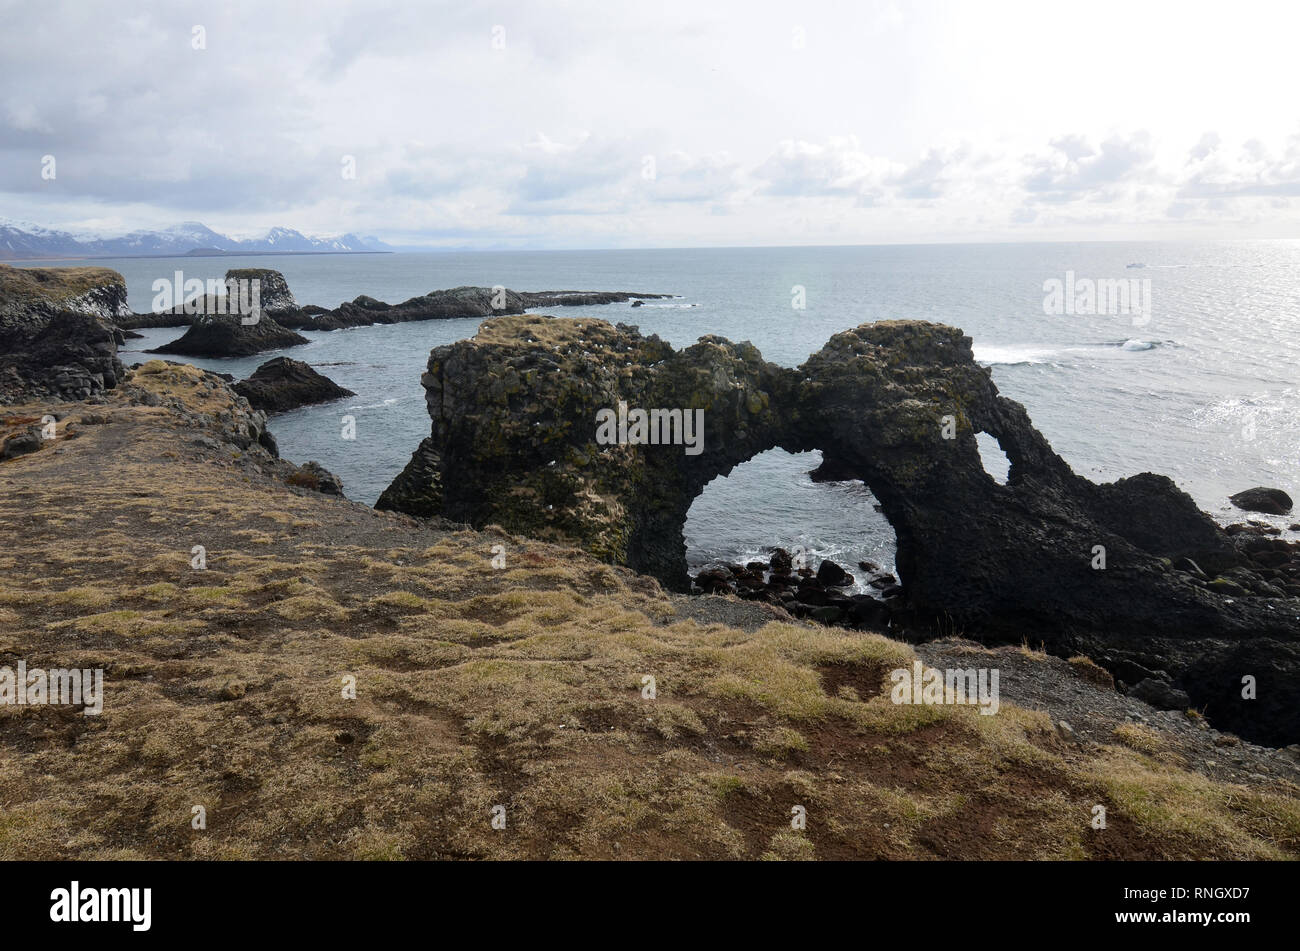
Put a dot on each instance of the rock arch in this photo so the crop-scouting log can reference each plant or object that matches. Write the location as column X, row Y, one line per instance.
column 513, row 443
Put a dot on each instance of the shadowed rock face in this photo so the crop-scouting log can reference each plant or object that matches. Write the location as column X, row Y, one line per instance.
column 57, row 336
column 513, row 442
column 74, row 356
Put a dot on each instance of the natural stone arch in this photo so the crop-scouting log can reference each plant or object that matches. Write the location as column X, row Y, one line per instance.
column 513, row 443
column 514, row 420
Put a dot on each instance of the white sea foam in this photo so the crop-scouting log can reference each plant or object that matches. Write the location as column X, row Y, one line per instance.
column 991, row 355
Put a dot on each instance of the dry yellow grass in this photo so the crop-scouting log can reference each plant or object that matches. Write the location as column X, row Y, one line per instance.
column 341, row 683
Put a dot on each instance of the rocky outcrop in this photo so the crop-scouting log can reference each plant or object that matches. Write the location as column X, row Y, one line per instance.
column 220, row 421
column 282, row 384
column 529, row 436
column 1049, row 556
column 274, row 292
column 457, row 302
column 275, row 300
column 57, row 336
column 314, row 476
column 279, row 303
column 228, row 336
column 31, row 296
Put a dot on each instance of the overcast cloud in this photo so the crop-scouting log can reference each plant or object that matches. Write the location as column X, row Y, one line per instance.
column 621, row 124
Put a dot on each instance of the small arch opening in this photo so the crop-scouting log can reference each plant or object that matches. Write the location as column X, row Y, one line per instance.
column 994, row 459
column 771, row 501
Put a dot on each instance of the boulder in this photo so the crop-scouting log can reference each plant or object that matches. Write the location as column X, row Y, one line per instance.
column 314, row 476
column 1262, row 499
column 716, row 580
column 283, row 384
column 829, row 614
column 832, row 575
column 20, row 444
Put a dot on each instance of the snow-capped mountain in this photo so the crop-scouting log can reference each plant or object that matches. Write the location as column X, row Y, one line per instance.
column 22, row 240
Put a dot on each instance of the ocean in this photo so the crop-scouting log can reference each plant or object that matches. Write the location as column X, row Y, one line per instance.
column 1201, row 386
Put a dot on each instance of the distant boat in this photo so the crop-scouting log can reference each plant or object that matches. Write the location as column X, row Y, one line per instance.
column 1136, row 264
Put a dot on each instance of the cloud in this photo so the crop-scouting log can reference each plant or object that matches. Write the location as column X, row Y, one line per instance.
column 839, row 168
column 925, row 178
column 682, row 177
column 1073, row 169
column 544, row 138
column 1253, row 172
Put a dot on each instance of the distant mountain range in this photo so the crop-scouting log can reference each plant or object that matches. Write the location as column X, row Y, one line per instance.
column 19, row 240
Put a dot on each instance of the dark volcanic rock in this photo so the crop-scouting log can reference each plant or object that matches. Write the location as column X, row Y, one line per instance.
column 450, row 304
column 166, row 318
column 283, row 384
column 1261, row 499
column 1081, row 567
column 229, row 336
column 831, row 574
column 57, row 336
column 273, row 298
column 73, row 356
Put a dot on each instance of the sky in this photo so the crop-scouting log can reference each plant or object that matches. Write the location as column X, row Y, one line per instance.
column 655, row 124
